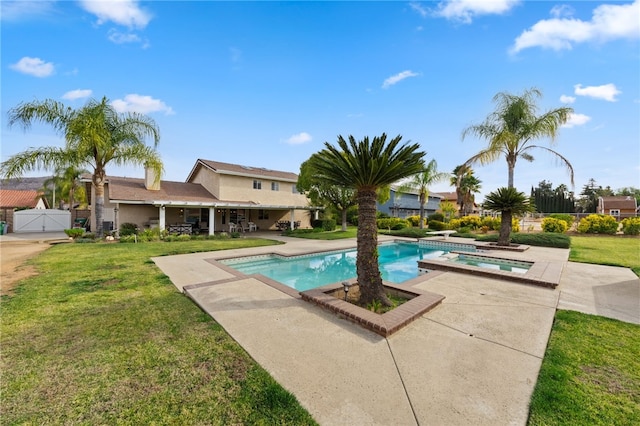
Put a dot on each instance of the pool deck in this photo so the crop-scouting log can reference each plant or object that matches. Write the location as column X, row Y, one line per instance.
column 474, row 359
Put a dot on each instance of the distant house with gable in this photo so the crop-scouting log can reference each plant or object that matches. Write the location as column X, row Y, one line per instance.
column 14, row 199
column 619, row 206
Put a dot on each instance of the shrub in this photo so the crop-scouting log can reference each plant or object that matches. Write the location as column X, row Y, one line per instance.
column 128, row 228
column 352, row 215
column 128, row 238
column 394, row 223
column 631, row 226
column 436, row 216
column 455, row 223
column 381, row 215
column 491, row 223
column 415, row 220
column 473, row 222
column 598, row 224
column 540, row 239
column 515, row 224
column 410, row 232
column 74, row 232
column 436, row 225
column 551, row 224
column 567, row 218
column 324, row 224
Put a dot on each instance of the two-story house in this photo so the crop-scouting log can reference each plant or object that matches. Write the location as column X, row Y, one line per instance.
column 404, row 204
column 215, row 197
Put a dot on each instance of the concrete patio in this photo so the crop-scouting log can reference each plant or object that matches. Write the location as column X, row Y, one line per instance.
column 474, row 359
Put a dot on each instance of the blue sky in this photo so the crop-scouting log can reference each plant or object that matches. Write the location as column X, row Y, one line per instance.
column 267, row 83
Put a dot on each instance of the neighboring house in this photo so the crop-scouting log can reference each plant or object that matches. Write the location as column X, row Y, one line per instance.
column 621, row 206
column 403, row 205
column 453, row 198
column 12, row 200
column 215, row 197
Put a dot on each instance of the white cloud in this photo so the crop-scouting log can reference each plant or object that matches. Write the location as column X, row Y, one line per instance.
column 607, row 92
column 120, row 12
column 299, row 138
column 33, row 66
column 567, row 99
column 561, row 10
column 16, row 10
column 121, row 38
column 77, row 94
column 609, row 22
column 576, row 119
column 417, row 7
column 398, row 78
column 141, row 104
column 465, row 10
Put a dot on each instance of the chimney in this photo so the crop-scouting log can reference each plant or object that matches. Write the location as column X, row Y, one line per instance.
column 150, row 181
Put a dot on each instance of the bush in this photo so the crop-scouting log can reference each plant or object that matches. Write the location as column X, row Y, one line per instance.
column 455, row 223
column 539, row 239
column 437, row 217
column 415, row 220
column 598, row 224
column 567, row 218
column 492, row 223
column 436, row 225
column 324, row 224
column 631, row 226
column 394, row 223
column 410, row 233
column 515, row 224
column 551, row 224
column 128, row 229
column 74, row 232
column 352, row 215
column 473, row 222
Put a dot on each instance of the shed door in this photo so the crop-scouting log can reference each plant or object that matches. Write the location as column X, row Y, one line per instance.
column 41, row 220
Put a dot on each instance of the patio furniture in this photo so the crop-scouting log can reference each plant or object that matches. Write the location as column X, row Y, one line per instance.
column 232, row 227
column 180, row 229
column 252, row 227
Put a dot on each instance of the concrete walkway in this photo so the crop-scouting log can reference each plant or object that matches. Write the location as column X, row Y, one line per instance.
column 472, row 360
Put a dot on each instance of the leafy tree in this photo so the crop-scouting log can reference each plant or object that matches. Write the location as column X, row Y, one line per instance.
column 322, row 193
column 448, row 209
column 466, row 186
column 629, row 191
column 420, row 182
column 366, row 166
column 95, row 135
column 513, row 126
column 590, row 194
column 549, row 200
column 67, row 186
column 509, row 202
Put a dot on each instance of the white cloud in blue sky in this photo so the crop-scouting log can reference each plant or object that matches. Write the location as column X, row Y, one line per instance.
column 607, row 92
column 465, row 10
column 17, row 10
column 609, row 22
column 576, row 120
column 565, row 99
column 72, row 95
column 397, row 78
column 127, row 13
column 34, row 66
column 299, row 138
column 141, row 104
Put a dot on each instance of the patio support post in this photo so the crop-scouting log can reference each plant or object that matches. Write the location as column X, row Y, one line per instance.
column 161, row 218
column 293, row 213
column 212, row 220
column 116, row 220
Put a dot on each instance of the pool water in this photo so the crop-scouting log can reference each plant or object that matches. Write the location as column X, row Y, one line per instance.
column 496, row 264
column 398, row 263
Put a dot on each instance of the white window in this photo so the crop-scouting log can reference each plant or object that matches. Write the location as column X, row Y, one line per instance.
column 275, row 186
column 294, row 189
column 614, row 212
column 257, row 184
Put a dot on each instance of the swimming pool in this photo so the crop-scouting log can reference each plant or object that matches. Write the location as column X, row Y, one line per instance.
column 397, row 260
column 519, row 267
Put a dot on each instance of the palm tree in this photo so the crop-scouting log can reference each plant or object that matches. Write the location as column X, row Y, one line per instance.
column 67, row 181
column 95, row 135
column 512, row 127
column 367, row 166
column 510, row 203
column 466, row 185
column 420, row 183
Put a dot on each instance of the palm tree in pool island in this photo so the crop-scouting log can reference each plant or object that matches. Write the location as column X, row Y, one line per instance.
column 95, row 135
column 512, row 128
column 510, row 203
column 366, row 166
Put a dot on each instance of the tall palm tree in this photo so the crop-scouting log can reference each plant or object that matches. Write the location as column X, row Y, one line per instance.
column 513, row 126
column 367, row 166
column 95, row 135
column 67, row 181
column 509, row 202
column 420, row 183
column 467, row 184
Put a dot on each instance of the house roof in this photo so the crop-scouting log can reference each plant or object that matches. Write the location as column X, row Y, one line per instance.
column 621, row 202
column 241, row 170
column 133, row 190
column 10, row 198
column 449, row 196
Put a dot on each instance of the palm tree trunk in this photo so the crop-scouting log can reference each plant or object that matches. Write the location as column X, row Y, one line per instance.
column 505, row 229
column 369, row 278
column 511, row 163
column 421, row 211
column 98, row 184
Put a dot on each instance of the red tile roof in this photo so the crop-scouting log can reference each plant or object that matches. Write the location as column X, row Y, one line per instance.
column 10, row 198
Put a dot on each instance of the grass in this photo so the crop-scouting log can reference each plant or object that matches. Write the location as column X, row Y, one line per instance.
column 325, row 235
column 101, row 336
column 612, row 251
column 590, row 374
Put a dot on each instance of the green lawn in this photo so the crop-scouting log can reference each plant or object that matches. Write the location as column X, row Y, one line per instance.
column 101, row 336
column 601, row 250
